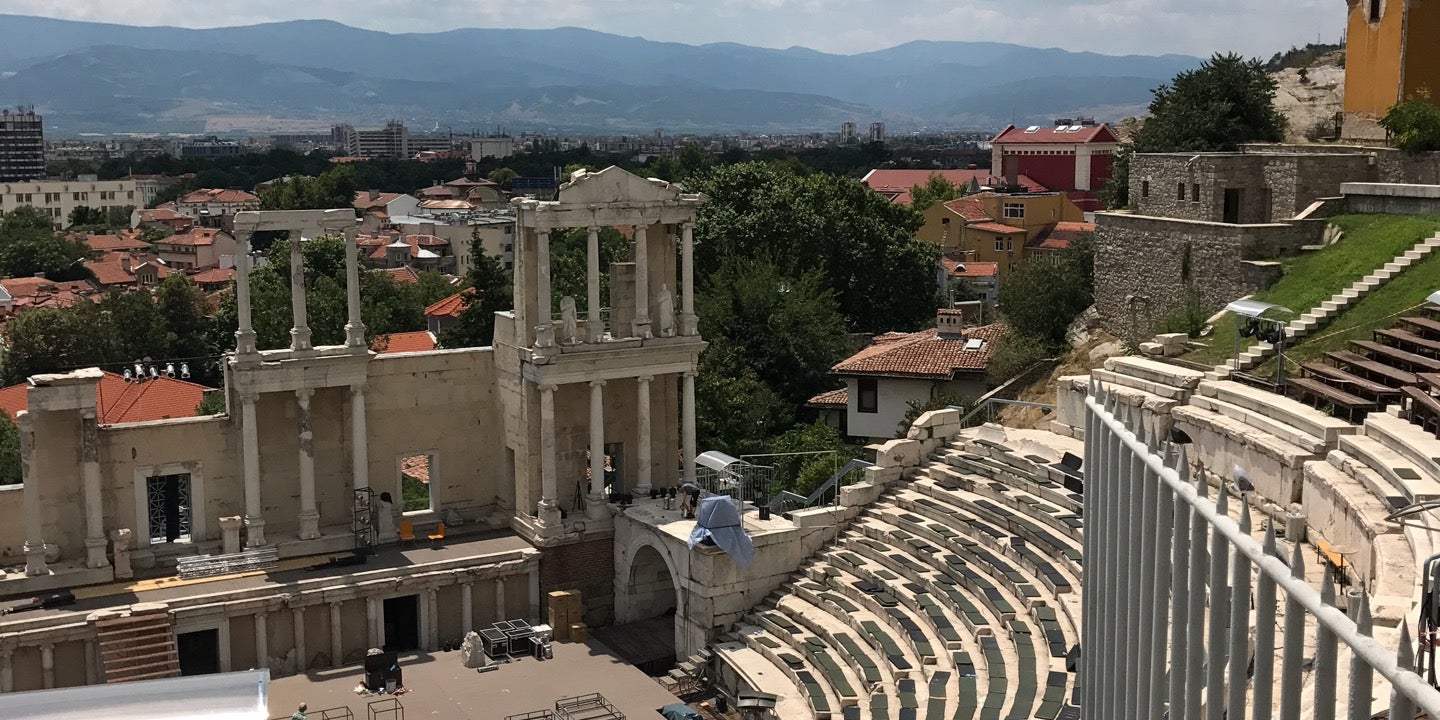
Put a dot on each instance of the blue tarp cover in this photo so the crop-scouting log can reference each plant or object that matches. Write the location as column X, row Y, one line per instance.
column 718, row 520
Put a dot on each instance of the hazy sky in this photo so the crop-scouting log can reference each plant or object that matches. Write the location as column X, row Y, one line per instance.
column 847, row 26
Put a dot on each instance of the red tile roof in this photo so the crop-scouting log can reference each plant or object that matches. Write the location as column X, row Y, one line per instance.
column 449, row 306
column 921, row 354
column 404, row 274
column 364, row 201
column 162, row 214
column 34, row 292
column 1050, row 135
column 113, row 269
column 955, row 267
column 830, row 399
column 896, row 184
column 218, row 195
column 194, row 236
column 418, row 341
column 996, row 227
column 119, row 401
column 123, row 240
column 212, row 275
column 1061, row 234
column 971, row 207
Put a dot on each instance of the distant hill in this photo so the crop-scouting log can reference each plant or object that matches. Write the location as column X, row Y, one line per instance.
column 97, row 77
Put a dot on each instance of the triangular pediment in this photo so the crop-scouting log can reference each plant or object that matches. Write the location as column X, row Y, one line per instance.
column 616, row 185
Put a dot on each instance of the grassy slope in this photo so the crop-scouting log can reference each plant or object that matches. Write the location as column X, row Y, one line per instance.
column 1369, row 242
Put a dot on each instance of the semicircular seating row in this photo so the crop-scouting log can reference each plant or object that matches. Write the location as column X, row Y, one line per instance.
column 954, row 596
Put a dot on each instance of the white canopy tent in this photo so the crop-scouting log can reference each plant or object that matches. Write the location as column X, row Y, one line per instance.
column 1434, row 298
column 226, row 696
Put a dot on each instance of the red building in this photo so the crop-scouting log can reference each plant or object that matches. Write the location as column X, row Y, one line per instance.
column 1070, row 158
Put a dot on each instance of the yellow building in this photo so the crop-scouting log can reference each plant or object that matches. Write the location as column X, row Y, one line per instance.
column 1389, row 56
column 1001, row 228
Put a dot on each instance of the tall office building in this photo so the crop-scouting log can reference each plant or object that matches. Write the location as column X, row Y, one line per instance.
column 22, row 146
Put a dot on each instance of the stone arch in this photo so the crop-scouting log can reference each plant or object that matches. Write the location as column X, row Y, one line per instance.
column 649, row 586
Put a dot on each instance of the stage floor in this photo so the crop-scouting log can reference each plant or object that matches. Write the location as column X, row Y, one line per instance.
column 439, row 686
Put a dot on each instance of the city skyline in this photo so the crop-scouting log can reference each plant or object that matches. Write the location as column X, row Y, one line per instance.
column 1115, row 27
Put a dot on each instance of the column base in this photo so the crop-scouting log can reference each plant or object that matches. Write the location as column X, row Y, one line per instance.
column 254, row 532
column 547, row 515
column 95, row 553
column 245, row 342
column 355, row 338
column 309, row 525
column 642, row 490
column 300, row 340
column 595, row 507
column 545, row 335
column 641, row 329
column 689, row 324
column 594, row 331
column 35, row 560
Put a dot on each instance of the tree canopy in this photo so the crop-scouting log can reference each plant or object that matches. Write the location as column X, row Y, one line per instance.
column 334, row 188
column 862, row 245
column 937, row 189
column 1414, row 124
column 1226, row 102
column 1040, row 298
column 30, row 246
column 487, row 292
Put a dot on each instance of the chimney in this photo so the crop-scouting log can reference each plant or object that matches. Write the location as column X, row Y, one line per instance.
column 950, row 324
column 374, row 195
column 125, row 263
column 1012, row 170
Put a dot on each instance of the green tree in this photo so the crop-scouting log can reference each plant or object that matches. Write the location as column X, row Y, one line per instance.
column 915, row 408
column 9, row 451
column 211, row 403
column 1414, row 124
column 937, row 189
column 430, row 287
column 29, row 245
column 1040, row 298
column 133, row 327
column 47, row 340
column 802, row 473
column 862, row 245
column 502, row 176
column 334, row 188
column 1226, row 102
column 488, row 291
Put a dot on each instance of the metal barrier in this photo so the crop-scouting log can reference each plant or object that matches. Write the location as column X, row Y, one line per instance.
column 985, row 411
column 1148, row 575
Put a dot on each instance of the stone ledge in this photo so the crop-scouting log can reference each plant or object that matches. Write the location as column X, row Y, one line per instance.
column 1260, row 422
column 1282, row 409
column 1156, row 372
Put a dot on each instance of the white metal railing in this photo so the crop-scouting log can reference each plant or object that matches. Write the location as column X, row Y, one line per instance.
column 1149, row 577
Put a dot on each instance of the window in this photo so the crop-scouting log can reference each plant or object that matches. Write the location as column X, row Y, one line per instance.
column 1195, row 192
column 167, row 500
column 416, row 488
column 869, row 401
column 1010, row 244
column 1014, row 210
column 1374, row 11
column 1144, row 188
column 1180, row 191
column 999, row 244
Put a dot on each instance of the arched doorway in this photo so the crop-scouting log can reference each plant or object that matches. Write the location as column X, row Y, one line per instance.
column 647, row 600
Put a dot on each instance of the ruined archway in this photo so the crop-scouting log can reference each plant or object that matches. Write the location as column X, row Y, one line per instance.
column 650, row 586
column 648, row 603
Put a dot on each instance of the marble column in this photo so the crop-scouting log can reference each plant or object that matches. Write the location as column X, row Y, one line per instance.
column 642, row 453
column 92, row 662
column 300, row 330
column 687, row 425
column 297, row 619
column 500, row 598
column 374, row 622
column 688, row 324
column 534, row 583
column 262, row 642
column 309, row 516
column 467, row 608
column 642, row 281
column 595, row 505
column 250, row 452
column 354, row 326
column 245, row 335
column 432, row 612
column 359, row 439
column 545, row 323
column 548, row 511
column 47, row 665
column 337, row 648
column 594, row 324
column 95, row 540
column 7, row 669
column 34, row 516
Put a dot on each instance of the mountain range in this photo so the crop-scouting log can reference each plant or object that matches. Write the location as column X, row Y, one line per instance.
column 95, row 77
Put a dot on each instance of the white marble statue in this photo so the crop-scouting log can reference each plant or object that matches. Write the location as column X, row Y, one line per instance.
column 567, row 320
column 667, row 312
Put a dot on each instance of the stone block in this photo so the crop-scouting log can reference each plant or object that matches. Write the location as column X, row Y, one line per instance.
column 472, row 653
column 1172, row 340
column 897, row 453
column 947, row 416
column 1152, row 349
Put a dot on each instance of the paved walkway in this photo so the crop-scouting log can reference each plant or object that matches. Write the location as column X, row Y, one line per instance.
column 440, row 687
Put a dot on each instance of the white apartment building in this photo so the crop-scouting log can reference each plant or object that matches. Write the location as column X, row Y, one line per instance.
column 58, row 198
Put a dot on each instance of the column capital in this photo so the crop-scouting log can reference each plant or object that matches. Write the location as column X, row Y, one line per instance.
column 304, row 395
column 597, row 383
column 547, row 387
column 248, row 396
column 357, row 389
column 691, row 373
column 645, row 378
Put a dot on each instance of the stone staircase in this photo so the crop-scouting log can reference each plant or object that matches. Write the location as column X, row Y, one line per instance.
column 137, row 645
column 1321, row 316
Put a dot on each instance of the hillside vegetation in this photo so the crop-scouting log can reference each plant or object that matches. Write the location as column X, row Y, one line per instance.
column 1369, row 241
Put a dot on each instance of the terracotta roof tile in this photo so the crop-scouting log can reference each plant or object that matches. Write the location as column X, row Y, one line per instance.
column 896, row 184
column 830, row 399
column 1050, row 135
column 996, row 227
column 404, row 274
column 418, row 341
column 956, row 267
column 1059, row 235
column 210, row 275
column 194, row 236
column 449, row 306
column 363, row 200
column 971, row 207
column 123, row 240
column 218, row 195
column 119, row 401
column 921, row 354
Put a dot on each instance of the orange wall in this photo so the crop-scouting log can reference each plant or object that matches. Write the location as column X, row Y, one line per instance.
column 1422, row 61
column 1372, row 57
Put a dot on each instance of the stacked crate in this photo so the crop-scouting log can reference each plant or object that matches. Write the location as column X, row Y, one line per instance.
column 567, row 616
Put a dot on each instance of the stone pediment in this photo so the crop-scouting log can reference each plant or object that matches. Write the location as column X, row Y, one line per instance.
column 615, row 185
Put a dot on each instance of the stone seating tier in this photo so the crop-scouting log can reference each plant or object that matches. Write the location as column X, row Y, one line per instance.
column 1283, row 410
column 1407, row 439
